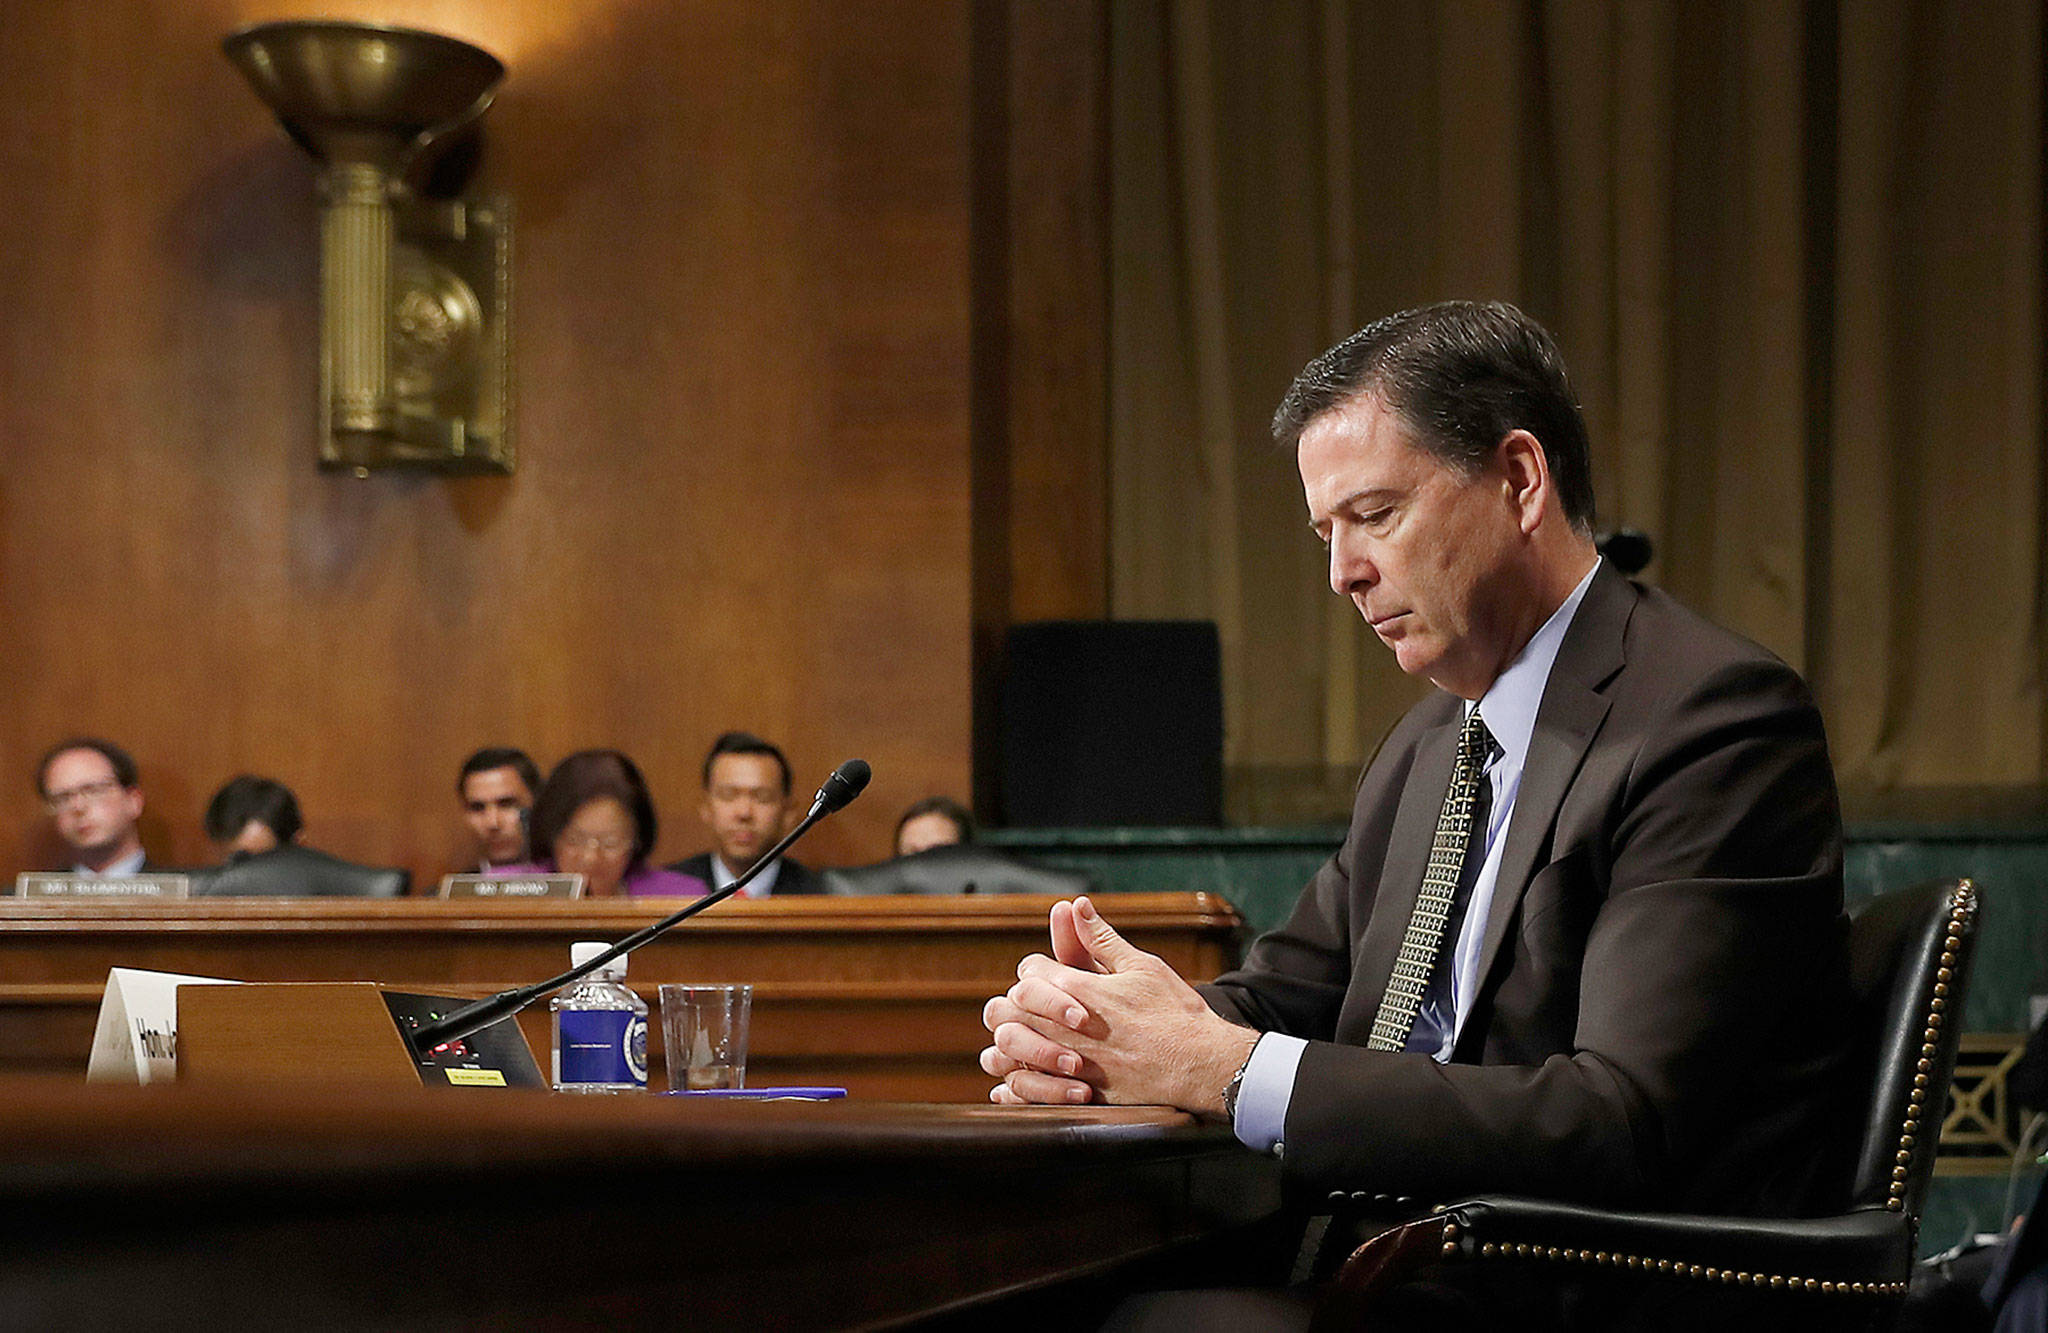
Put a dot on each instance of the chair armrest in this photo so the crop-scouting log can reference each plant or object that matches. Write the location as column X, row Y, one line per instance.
column 1861, row 1254
column 1869, row 1250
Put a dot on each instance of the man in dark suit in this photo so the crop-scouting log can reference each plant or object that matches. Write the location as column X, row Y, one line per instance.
column 1584, row 936
column 93, row 792
column 746, row 807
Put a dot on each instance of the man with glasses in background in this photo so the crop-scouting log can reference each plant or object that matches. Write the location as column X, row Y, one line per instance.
column 91, row 789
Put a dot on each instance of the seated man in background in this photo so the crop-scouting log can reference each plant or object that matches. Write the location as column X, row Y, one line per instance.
column 497, row 787
column 92, row 790
column 936, row 821
column 251, row 814
column 746, row 807
column 1584, row 937
column 255, row 822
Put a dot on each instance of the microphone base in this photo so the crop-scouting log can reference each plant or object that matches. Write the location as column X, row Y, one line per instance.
column 352, row 1034
column 494, row 1056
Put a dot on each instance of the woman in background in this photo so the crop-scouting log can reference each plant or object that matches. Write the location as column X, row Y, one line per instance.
column 594, row 818
column 252, row 814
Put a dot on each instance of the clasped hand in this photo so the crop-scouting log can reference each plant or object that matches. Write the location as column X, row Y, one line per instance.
column 1102, row 1020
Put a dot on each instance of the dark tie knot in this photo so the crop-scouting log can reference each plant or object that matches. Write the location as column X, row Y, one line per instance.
column 1476, row 745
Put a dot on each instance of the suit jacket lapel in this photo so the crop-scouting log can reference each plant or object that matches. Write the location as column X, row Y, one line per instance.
column 1574, row 705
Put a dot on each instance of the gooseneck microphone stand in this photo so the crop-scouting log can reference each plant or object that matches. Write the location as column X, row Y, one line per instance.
column 846, row 782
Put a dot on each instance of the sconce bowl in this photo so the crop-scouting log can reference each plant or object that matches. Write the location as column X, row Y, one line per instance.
column 360, row 92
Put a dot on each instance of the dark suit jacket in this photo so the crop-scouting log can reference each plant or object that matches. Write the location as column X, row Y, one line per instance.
column 292, row 871
column 792, row 878
column 1661, row 1012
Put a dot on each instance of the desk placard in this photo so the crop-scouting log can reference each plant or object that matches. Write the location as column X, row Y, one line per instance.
column 517, row 887
column 31, row 884
column 136, row 1040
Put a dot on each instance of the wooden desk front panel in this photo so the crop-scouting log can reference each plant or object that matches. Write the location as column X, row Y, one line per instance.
column 880, row 995
column 207, row 1208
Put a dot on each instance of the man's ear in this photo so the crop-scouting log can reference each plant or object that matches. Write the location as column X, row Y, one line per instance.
column 704, row 809
column 1525, row 475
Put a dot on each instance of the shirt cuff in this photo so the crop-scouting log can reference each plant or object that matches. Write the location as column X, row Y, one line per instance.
column 1266, row 1090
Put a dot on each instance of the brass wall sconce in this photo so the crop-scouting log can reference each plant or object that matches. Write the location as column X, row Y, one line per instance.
column 415, row 293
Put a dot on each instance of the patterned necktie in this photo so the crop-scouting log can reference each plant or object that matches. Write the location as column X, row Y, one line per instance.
column 1455, row 830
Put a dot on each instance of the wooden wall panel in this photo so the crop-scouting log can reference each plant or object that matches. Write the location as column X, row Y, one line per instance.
column 1059, row 309
column 1041, row 333
column 742, row 498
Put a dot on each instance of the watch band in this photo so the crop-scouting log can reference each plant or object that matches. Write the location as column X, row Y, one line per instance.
column 1236, row 1085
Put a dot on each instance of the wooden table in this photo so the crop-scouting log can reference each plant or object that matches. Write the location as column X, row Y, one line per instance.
column 880, row 995
column 187, row 1207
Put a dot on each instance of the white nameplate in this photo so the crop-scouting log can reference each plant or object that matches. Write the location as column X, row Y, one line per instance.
column 512, row 886
column 137, row 1037
column 34, row 885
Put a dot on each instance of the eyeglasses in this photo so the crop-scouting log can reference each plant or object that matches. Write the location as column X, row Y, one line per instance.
column 583, row 842
column 87, row 792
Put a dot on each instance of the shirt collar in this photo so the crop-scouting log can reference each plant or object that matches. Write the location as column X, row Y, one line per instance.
column 722, row 875
column 1509, row 705
column 130, row 864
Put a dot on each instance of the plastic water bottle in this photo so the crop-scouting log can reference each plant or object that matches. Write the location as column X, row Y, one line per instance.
column 600, row 1029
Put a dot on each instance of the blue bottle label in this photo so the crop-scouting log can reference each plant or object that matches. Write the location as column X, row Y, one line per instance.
column 603, row 1046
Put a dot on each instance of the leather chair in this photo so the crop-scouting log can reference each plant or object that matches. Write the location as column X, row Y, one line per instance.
column 956, row 868
column 1909, row 963
column 292, row 871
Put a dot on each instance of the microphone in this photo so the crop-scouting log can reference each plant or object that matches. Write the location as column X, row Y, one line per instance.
column 847, row 781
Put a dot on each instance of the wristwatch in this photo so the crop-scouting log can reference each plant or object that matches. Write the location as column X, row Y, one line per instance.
column 1236, row 1084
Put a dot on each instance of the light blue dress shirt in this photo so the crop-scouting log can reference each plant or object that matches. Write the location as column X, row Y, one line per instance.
column 1509, row 707
column 762, row 885
column 127, row 866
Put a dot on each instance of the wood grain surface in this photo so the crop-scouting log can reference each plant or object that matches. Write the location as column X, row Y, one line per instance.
column 183, row 1208
column 879, row 995
column 742, row 351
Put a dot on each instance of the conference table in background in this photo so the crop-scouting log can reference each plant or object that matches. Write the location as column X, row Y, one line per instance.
column 881, row 996
column 213, row 1208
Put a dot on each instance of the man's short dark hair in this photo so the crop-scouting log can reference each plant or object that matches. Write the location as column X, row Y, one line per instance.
column 500, row 756
column 959, row 815
column 582, row 778
column 248, row 797
column 1462, row 374
column 123, row 765
column 745, row 742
